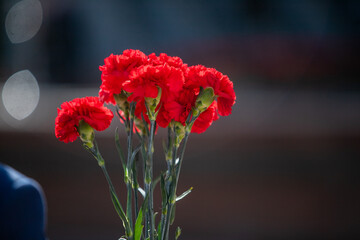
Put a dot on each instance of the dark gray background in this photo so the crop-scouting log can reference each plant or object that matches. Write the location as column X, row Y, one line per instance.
column 284, row 165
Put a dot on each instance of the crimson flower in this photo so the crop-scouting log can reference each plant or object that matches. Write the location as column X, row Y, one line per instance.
column 88, row 109
column 200, row 76
column 179, row 108
column 145, row 80
column 116, row 71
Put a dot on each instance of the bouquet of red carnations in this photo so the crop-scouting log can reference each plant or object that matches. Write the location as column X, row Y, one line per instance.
column 147, row 91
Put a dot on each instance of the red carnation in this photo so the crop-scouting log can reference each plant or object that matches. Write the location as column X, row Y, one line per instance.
column 116, row 71
column 89, row 109
column 145, row 80
column 179, row 108
column 200, row 76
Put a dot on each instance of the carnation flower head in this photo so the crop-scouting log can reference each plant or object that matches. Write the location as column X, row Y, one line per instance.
column 200, row 76
column 88, row 109
column 144, row 82
column 179, row 108
column 116, row 70
column 149, row 81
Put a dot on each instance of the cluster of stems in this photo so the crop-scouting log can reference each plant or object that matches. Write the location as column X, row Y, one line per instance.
column 139, row 217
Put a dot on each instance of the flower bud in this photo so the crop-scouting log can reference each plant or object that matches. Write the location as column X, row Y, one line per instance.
column 86, row 133
column 204, row 100
column 152, row 103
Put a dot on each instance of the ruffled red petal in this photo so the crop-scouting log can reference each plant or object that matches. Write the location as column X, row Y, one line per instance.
column 145, row 80
column 116, row 70
column 163, row 58
column 205, row 120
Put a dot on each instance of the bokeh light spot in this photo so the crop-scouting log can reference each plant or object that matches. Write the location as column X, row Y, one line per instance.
column 23, row 20
column 21, row 94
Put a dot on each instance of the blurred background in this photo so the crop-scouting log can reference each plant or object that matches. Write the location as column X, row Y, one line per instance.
column 284, row 165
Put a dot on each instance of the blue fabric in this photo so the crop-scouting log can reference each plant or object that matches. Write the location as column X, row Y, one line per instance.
column 22, row 206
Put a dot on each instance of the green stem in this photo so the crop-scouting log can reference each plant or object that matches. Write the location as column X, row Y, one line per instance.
column 173, row 188
column 181, row 157
column 148, row 180
column 171, row 192
column 128, row 164
column 145, row 161
column 135, row 190
column 175, row 172
column 165, row 234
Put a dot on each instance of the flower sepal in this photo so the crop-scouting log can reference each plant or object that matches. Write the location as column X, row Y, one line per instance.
column 205, row 98
column 179, row 131
column 122, row 102
column 151, row 105
column 86, row 133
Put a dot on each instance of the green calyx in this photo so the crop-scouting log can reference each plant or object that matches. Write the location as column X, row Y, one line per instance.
column 204, row 100
column 87, row 134
column 179, row 130
column 152, row 103
column 122, row 102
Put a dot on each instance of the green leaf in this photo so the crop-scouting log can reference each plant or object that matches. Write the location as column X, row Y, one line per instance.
column 172, row 216
column 120, row 212
column 159, row 231
column 134, row 154
column 138, row 225
column 140, row 219
column 155, row 232
column 144, row 205
column 184, row 194
column 143, row 209
column 117, row 204
column 164, row 196
column 177, row 233
column 118, row 147
column 155, row 214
